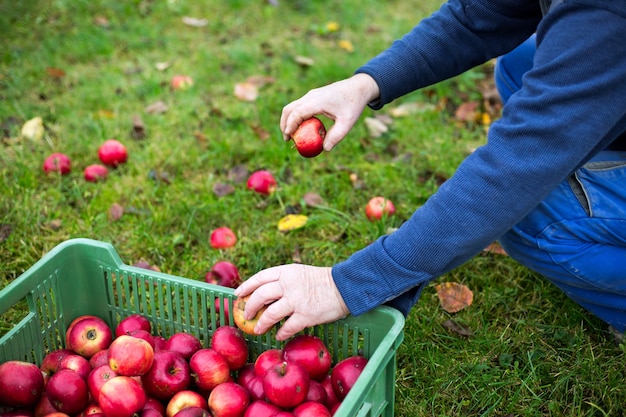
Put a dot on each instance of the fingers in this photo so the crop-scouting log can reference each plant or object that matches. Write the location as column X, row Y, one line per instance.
column 336, row 133
column 255, row 281
column 272, row 315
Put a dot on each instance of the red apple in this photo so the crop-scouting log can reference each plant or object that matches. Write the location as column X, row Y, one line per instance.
column 262, row 182
column 267, row 360
column 223, row 273
column 17, row 412
column 99, row 358
column 121, row 396
column 309, row 137
column 159, row 343
column 345, row 373
column 181, row 82
column 57, row 414
column 97, row 378
column 57, row 162
column 112, row 152
column 43, row 407
column 142, row 334
column 91, row 409
column 379, row 207
column 169, row 374
column 251, row 382
column 154, row 404
column 133, row 322
column 184, row 343
column 89, row 336
column 193, row 412
column 76, row 363
column 67, row 391
column 50, row 363
column 130, row 356
column 286, row 384
column 183, row 399
column 310, row 352
column 311, row 409
column 284, row 414
column 224, row 309
column 95, row 173
column 228, row 400
column 223, row 238
column 149, row 412
column 261, row 408
column 247, row 326
column 21, row 384
column 230, row 342
column 331, row 397
column 317, row 393
column 209, row 369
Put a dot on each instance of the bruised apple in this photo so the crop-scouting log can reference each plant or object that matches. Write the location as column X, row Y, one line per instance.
column 247, row 326
column 311, row 353
column 345, row 373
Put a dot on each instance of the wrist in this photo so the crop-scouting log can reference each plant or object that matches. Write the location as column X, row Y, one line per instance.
column 367, row 86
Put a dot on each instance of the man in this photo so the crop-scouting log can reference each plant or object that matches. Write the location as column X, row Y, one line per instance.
column 550, row 183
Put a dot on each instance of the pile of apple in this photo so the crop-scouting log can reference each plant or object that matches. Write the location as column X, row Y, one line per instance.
column 130, row 371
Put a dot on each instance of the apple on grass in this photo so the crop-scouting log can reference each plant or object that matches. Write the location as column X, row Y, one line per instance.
column 224, row 273
column 247, row 326
column 223, row 238
column 184, row 343
column 67, row 391
column 130, row 356
column 21, row 384
column 88, row 336
column 95, row 173
column 311, row 353
column 286, row 384
column 262, row 182
column 209, row 369
column 168, row 375
column 379, row 207
column 228, row 400
column 181, row 82
column 112, row 153
column 57, row 162
column 309, row 137
column 121, row 396
column 230, row 342
column 183, row 399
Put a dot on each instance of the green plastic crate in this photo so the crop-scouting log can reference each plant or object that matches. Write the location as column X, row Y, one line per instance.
column 83, row 276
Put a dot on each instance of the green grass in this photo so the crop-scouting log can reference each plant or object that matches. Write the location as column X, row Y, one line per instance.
column 532, row 352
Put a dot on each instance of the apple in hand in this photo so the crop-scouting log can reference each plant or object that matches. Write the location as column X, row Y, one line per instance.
column 309, row 137
column 224, row 273
column 228, row 400
column 247, row 326
column 89, row 336
column 184, row 343
column 67, row 391
column 311, row 353
column 57, row 162
column 121, row 396
column 112, row 152
column 286, row 384
column 223, row 238
column 230, row 342
column 130, row 356
column 262, row 182
column 21, row 384
column 378, row 207
column 184, row 399
column 345, row 374
column 168, row 375
column 95, row 173
column 209, row 369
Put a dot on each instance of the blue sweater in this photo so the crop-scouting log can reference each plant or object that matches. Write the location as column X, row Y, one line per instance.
column 571, row 106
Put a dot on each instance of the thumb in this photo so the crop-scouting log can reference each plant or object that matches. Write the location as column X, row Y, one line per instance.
column 335, row 134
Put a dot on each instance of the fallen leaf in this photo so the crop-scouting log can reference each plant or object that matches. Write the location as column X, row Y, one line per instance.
column 467, row 112
column 221, row 189
column 261, row 132
column 139, row 130
column 408, row 109
column 101, row 21
column 55, row 224
column 260, row 80
column 304, row 61
column 33, row 129
column 195, row 22
column 105, row 114
column 246, row 91
column 454, row 297
column 332, row 26
column 5, row 231
column 455, row 327
column 159, row 176
column 346, row 45
column 296, row 256
column 162, row 66
column 157, row 107
column 292, row 222
column 238, row 174
column 495, row 248
column 55, row 72
column 375, row 127
column 116, row 211
column 313, row 199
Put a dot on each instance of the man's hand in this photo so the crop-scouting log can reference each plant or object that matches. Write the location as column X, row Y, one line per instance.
column 307, row 295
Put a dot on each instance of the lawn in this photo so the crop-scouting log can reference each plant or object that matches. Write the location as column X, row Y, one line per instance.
column 95, row 70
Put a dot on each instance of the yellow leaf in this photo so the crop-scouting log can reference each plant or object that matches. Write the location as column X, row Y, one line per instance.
column 291, row 222
column 346, row 45
column 33, row 129
column 332, row 26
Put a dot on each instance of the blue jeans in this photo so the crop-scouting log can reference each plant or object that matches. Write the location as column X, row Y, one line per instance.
column 576, row 237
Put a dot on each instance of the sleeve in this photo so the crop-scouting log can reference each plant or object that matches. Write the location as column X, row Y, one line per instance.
column 461, row 35
column 572, row 105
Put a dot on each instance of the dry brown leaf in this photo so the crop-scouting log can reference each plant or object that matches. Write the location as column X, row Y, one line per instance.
column 139, row 129
column 55, row 72
column 238, row 174
column 408, row 109
column 195, row 22
column 313, row 199
column 261, row 132
column 5, row 231
column 260, row 80
column 221, row 189
column 375, row 127
column 453, row 296
column 455, row 327
column 304, row 61
column 116, row 211
column 162, row 66
column 157, row 107
column 495, row 248
column 467, row 112
column 246, row 91
column 101, row 21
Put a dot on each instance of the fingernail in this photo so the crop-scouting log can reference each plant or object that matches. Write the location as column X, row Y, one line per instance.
column 257, row 330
